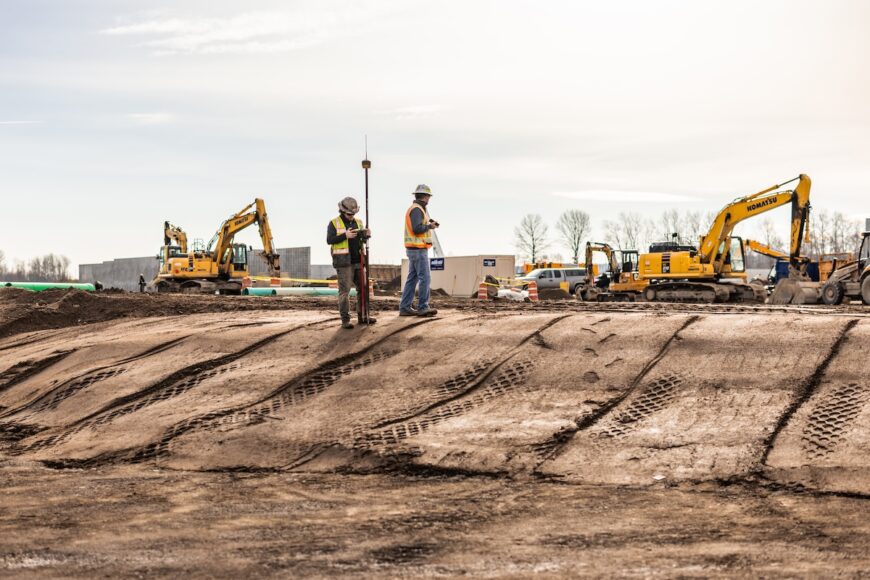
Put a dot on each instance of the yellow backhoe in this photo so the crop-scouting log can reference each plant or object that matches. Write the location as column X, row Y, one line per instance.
column 715, row 272
column 620, row 283
column 850, row 280
column 221, row 265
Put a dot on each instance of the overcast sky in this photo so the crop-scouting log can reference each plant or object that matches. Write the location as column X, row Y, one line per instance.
column 116, row 116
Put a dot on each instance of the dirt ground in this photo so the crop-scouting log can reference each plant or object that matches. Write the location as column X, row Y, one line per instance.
column 225, row 436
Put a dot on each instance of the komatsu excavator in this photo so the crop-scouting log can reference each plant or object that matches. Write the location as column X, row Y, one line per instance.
column 714, row 272
column 220, row 267
column 620, row 283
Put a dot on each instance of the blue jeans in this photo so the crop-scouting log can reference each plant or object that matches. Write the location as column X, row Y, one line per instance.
column 418, row 271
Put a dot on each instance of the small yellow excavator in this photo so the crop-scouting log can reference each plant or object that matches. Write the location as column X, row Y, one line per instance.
column 620, row 283
column 172, row 234
column 221, row 265
column 714, row 272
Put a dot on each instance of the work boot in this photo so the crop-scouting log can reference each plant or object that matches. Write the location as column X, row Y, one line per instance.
column 409, row 312
column 347, row 324
column 427, row 312
column 371, row 320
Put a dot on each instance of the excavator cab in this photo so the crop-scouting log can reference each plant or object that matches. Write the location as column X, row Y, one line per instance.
column 240, row 257
column 630, row 261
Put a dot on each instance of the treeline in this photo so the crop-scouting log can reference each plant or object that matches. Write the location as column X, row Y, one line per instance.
column 829, row 233
column 47, row 268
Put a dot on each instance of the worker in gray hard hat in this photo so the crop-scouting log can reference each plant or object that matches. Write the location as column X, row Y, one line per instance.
column 346, row 237
column 418, row 240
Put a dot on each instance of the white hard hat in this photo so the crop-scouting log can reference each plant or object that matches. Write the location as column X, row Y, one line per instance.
column 423, row 189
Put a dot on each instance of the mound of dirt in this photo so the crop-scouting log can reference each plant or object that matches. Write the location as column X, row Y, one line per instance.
column 25, row 311
column 583, row 397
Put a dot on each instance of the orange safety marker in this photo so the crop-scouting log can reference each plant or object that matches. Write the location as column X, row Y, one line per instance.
column 482, row 294
column 246, row 282
column 274, row 282
column 533, row 291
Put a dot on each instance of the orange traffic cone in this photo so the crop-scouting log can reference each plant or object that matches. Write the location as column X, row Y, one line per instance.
column 481, row 292
column 533, row 291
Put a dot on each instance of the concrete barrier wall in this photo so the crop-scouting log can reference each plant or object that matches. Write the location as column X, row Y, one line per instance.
column 295, row 262
column 120, row 273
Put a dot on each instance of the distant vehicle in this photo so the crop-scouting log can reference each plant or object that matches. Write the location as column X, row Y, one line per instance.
column 554, row 277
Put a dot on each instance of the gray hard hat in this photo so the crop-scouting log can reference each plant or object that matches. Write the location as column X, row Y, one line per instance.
column 423, row 189
column 348, row 205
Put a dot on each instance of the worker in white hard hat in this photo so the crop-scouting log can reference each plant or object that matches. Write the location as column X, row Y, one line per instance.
column 418, row 240
column 346, row 237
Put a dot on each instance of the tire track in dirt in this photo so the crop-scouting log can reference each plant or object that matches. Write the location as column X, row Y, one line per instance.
column 805, row 391
column 484, row 381
column 831, row 419
column 308, row 384
column 20, row 372
column 55, row 396
column 175, row 384
column 552, row 448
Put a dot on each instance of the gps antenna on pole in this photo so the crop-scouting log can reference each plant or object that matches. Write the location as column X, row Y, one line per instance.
column 364, row 269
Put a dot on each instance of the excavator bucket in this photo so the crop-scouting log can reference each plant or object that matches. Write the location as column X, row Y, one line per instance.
column 790, row 291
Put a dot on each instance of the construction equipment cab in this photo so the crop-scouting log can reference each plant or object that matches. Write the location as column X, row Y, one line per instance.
column 715, row 272
column 620, row 283
column 222, row 264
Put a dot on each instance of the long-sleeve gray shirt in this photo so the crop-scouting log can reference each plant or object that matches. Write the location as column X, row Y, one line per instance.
column 417, row 224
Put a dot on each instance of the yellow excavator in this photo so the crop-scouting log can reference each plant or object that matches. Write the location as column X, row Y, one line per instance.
column 620, row 284
column 221, row 265
column 715, row 272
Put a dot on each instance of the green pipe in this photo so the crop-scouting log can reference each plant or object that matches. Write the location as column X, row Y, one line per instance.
column 294, row 291
column 40, row 286
column 310, row 291
column 258, row 292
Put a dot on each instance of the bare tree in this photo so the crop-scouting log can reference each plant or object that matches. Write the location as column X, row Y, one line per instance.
column 531, row 236
column 628, row 232
column 695, row 227
column 770, row 237
column 573, row 226
column 2, row 264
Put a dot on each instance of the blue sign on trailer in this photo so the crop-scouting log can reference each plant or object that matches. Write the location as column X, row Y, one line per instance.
column 436, row 263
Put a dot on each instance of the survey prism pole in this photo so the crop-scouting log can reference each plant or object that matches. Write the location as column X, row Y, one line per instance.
column 364, row 263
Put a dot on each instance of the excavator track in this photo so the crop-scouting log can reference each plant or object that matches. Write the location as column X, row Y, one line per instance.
column 704, row 293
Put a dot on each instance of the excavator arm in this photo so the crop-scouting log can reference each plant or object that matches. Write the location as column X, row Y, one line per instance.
column 223, row 239
column 756, row 204
column 174, row 233
column 764, row 250
column 605, row 249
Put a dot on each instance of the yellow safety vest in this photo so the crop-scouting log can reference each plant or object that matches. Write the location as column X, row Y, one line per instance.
column 343, row 247
column 413, row 240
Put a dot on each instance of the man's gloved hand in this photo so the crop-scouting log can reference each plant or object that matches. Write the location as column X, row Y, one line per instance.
column 351, row 234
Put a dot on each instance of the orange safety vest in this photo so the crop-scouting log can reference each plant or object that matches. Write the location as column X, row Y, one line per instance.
column 413, row 240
